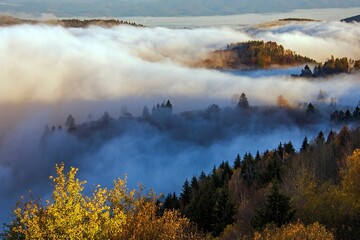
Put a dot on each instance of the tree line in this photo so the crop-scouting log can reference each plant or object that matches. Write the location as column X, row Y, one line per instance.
column 330, row 67
column 258, row 194
column 254, row 54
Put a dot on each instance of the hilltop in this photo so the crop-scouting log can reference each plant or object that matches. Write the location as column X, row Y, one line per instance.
column 253, row 54
column 283, row 21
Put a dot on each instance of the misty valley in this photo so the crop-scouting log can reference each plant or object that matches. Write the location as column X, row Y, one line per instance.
column 124, row 131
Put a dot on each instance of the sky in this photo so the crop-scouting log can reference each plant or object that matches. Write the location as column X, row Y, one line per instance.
column 162, row 8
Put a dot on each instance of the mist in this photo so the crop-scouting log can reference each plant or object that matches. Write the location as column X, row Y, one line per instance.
column 50, row 72
column 317, row 40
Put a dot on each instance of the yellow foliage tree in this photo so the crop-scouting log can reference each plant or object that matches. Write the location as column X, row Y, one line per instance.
column 337, row 206
column 351, row 180
column 294, row 231
column 107, row 214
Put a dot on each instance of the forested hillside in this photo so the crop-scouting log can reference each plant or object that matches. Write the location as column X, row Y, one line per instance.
column 253, row 54
column 317, row 184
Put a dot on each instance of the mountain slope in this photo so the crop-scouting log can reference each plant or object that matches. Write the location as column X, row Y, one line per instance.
column 253, row 54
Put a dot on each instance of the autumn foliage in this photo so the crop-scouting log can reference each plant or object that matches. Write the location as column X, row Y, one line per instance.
column 294, row 231
column 117, row 213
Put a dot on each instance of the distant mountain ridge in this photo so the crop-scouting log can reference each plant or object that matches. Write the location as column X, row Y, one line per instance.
column 68, row 23
column 119, row 8
column 352, row 19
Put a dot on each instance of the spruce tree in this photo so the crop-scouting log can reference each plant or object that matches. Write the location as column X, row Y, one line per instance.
column 277, row 210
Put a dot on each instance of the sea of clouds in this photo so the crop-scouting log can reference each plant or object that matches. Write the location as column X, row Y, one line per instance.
column 50, row 72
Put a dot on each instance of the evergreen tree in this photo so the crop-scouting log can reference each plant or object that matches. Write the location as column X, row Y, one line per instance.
column 223, row 211
column 243, row 102
column 194, row 187
column 289, row 148
column 280, row 151
column 277, row 210
column 185, row 195
column 331, row 136
column 310, row 109
column 105, row 119
column 248, row 168
column 70, row 123
column 145, row 112
column 320, row 139
column 168, row 104
column 257, row 157
column 202, row 177
column 226, row 173
column 171, row 202
column 356, row 113
column 348, row 116
column 237, row 162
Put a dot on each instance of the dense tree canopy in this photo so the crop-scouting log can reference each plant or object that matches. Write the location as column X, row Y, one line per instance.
column 253, row 54
column 318, row 185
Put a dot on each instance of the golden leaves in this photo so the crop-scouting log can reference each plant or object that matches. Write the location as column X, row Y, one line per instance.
column 118, row 213
column 294, row 231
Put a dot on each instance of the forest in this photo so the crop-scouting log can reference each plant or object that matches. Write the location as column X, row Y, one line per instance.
column 254, row 54
column 319, row 184
column 330, row 67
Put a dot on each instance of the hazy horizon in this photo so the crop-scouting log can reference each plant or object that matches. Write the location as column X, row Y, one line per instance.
column 175, row 8
column 242, row 20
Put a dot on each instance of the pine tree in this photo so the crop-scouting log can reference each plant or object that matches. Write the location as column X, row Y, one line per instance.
column 331, row 137
column 70, row 123
column 185, row 195
column 145, row 112
column 310, row 109
column 320, row 139
column 277, row 210
column 194, row 187
column 243, row 102
column 289, row 148
column 237, row 162
column 304, row 145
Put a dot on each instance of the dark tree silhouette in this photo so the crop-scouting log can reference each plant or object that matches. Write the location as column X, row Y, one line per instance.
column 243, row 102
column 277, row 210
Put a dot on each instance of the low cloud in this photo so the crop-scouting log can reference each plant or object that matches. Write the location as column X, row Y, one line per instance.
column 317, row 40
